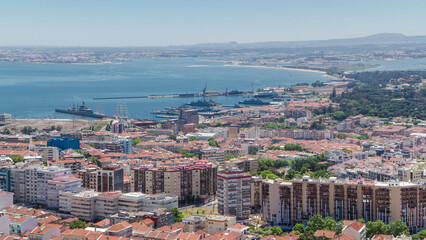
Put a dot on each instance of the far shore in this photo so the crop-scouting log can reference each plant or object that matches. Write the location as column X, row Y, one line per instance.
column 281, row 67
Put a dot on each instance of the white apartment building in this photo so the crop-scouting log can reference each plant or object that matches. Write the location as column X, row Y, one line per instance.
column 137, row 202
column 65, row 200
column 89, row 205
column 214, row 154
column 83, row 205
column 233, row 193
column 4, row 225
column 30, row 184
column 131, row 202
column 152, row 202
column 6, row 199
column 107, row 204
column 17, row 183
column 58, row 185
column 49, row 153
column 43, row 175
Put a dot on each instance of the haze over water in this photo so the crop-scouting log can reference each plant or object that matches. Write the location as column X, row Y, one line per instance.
column 31, row 90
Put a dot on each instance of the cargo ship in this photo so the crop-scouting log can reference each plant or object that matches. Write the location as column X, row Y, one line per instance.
column 81, row 110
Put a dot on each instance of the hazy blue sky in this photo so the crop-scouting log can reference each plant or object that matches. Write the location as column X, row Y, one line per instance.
column 175, row 22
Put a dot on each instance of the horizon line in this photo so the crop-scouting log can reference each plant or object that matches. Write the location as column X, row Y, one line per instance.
column 196, row 44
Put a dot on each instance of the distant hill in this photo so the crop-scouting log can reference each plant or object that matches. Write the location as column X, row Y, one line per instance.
column 377, row 39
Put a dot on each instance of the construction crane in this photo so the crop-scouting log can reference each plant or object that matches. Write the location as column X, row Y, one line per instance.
column 204, row 92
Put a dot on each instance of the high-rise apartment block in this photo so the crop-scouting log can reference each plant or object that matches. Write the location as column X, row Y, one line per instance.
column 192, row 182
column 58, row 185
column 106, row 179
column 30, row 184
column 110, row 179
column 233, row 193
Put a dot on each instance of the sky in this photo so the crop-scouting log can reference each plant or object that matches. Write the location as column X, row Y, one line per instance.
column 180, row 22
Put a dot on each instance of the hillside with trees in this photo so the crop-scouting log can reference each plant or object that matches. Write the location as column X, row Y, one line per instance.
column 385, row 94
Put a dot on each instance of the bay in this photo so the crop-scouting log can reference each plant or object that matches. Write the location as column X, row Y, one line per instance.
column 32, row 90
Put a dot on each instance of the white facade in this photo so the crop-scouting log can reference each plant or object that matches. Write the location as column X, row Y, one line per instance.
column 65, row 201
column 60, row 185
column 4, row 225
column 30, row 184
column 131, row 202
column 44, row 233
column 156, row 201
column 6, row 199
column 49, row 153
column 43, row 176
column 17, row 183
column 233, row 193
column 137, row 202
column 107, row 204
column 83, row 205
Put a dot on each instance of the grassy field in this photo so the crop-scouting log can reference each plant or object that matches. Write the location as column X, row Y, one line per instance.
column 199, row 211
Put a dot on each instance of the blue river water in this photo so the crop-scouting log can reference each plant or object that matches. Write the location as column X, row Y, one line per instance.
column 32, row 90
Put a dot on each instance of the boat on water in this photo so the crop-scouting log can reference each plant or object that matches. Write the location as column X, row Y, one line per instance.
column 203, row 102
column 271, row 94
column 235, row 92
column 167, row 111
column 81, row 110
column 254, row 102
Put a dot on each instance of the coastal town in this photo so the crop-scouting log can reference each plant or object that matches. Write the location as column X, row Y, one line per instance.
column 319, row 165
column 213, row 120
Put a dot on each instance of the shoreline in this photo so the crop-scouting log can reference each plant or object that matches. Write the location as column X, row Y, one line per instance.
column 324, row 73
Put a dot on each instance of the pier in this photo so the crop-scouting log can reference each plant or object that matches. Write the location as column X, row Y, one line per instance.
column 147, row 96
column 107, row 98
column 183, row 95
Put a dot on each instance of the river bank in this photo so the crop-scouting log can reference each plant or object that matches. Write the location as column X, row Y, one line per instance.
column 324, row 73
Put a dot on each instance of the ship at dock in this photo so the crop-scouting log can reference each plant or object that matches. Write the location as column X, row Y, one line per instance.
column 203, row 102
column 270, row 94
column 235, row 92
column 81, row 110
column 254, row 102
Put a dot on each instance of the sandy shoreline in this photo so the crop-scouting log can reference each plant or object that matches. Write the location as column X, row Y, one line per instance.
column 281, row 67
